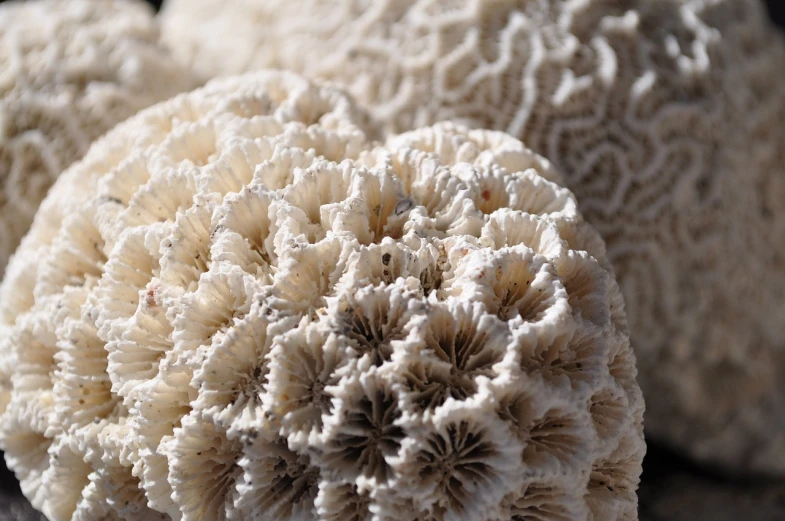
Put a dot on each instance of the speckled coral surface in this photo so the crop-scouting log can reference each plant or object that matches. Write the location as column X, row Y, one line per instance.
column 238, row 304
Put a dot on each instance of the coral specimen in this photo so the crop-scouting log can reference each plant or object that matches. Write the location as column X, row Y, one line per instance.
column 666, row 118
column 71, row 70
column 242, row 304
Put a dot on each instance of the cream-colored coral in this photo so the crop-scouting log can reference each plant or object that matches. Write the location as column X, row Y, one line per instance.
column 667, row 119
column 69, row 71
column 241, row 304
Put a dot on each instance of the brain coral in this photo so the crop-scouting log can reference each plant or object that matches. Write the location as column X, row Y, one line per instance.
column 240, row 307
column 666, row 119
column 69, row 71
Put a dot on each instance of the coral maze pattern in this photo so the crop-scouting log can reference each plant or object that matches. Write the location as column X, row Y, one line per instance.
column 70, row 72
column 665, row 118
column 250, row 311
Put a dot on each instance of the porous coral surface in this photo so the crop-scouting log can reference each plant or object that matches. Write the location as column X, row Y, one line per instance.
column 237, row 306
column 667, row 119
column 69, row 71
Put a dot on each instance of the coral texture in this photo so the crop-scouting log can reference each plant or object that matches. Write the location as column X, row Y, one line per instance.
column 69, row 71
column 240, row 303
column 667, row 119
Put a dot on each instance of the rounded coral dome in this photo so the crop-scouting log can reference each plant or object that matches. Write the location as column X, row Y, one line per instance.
column 239, row 306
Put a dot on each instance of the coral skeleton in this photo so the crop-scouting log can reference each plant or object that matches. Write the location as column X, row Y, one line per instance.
column 241, row 305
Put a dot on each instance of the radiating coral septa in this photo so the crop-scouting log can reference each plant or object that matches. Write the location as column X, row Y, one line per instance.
column 26, row 454
column 446, row 352
column 611, row 487
column 302, row 364
column 318, row 184
column 307, row 273
column 77, row 257
column 610, row 413
column 530, row 193
column 203, row 468
column 389, row 260
column 284, row 165
column 136, row 346
column 565, row 350
column 515, row 283
column 581, row 236
column 236, row 364
column 247, row 214
column 558, row 441
column 372, row 318
column 82, row 386
column 427, row 181
column 508, row 228
column 587, row 285
column 362, row 434
column 64, row 479
column 114, row 492
column 160, row 405
column 462, row 467
column 276, row 483
column 32, row 381
column 116, row 297
column 547, row 500
column 224, row 295
column 341, row 501
column 161, row 198
column 185, row 251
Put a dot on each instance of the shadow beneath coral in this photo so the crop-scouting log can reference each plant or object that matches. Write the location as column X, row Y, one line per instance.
column 777, row 11
column 8, row 483
column 673, row 489
column 14, row 507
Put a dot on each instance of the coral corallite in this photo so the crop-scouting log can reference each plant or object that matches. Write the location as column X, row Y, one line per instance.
column 239, row 306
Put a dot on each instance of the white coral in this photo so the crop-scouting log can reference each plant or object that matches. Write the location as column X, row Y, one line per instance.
column 666, row 118
column 249, row 310
column 71, row 70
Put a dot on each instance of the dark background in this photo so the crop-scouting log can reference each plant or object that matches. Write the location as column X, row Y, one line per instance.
column 776, row 8
column 660, row 466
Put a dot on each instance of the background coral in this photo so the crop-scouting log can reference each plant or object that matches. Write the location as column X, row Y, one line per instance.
column 71, row 70
column 236, row 304
column 667, row 120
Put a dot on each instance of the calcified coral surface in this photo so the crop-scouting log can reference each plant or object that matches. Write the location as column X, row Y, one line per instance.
column 666, row 119
column 250, row 311
column 69, row 71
